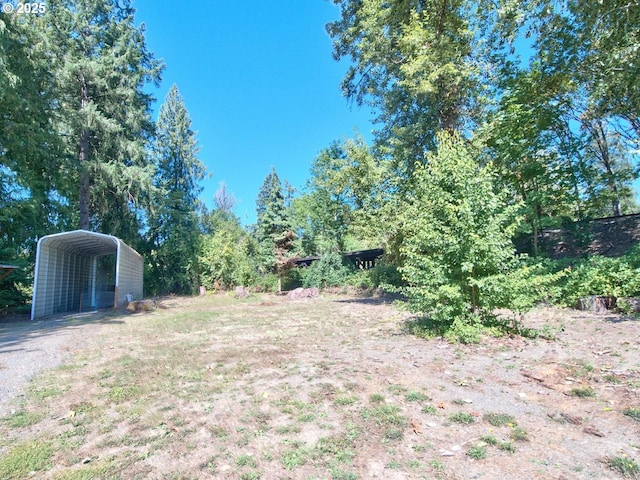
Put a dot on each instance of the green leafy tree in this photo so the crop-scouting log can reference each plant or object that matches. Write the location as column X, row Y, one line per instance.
column 458, row 233
column 598, row 43
column 537, row 156
column 413, row 61
column 340, row 186
column 226, row 253
column 227, row 250
column 173, row 224
column 580, row 76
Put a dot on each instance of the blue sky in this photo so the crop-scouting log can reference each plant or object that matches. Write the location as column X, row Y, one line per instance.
column 260, row 84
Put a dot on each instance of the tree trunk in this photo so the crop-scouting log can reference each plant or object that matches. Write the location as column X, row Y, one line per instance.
column 85, row 181
column 600, row 136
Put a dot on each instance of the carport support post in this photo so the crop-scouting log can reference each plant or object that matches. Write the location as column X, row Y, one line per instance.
column 94, row 274
column 115, row 290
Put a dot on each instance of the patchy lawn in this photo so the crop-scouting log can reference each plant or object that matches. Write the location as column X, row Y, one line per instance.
column 329, row 388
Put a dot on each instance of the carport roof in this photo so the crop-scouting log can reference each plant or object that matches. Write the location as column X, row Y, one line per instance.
column 82, row 242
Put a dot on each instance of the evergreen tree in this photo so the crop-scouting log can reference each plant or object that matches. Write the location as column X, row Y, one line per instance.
column 31, row 204
column 174, row 226
column 101, row 63
column 274, row 232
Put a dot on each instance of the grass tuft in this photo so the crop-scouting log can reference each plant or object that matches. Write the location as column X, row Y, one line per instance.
column 413, row 396
column 23, row 419
column 477, row 452
column 25, row 458
column 625, row 466
column 462, row 418
column 518, row 434
column 582, row 392
column 376, row 398
column 632, row 413
column 507, row 447
column 499, row 419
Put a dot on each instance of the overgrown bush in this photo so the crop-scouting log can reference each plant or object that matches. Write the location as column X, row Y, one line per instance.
column 384, row 274
column 225, row 259
column 17, row 288
column 603, row 276
column 329, row 271
column 267, row 282
column 528, row 282
column 457, row 232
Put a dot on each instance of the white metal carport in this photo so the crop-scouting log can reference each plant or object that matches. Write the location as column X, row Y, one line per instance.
column 82, row 270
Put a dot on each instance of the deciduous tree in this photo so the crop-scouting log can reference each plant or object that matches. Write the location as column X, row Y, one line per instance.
column 458, row 232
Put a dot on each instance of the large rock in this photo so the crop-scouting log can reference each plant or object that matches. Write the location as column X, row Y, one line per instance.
column 597, row 304
column 304, row 293
column 142, row 306
column 242, row 292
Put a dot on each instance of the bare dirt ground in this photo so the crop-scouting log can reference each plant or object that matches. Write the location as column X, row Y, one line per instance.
column 329, row 388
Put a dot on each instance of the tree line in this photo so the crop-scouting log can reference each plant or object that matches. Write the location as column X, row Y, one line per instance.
column 493, row 119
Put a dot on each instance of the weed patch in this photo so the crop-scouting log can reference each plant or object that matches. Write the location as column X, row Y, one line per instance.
column 25, row 458
column 632, row 413
column 413, row 396
column 385, row 414
column 518, row 434
column 23, row 419
column 477, row 452
column 295, row 458
column 462, row 418
column 625, row 466
column 499, row 419
column 582, row 392
column 376, row 398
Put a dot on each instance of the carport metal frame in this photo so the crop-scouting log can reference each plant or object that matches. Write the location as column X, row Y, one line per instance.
column 83, row 245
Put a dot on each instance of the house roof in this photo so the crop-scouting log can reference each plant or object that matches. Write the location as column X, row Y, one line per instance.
column 6, row 270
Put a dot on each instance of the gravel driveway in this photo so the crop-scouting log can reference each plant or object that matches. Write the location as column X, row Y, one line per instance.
column 29, row 347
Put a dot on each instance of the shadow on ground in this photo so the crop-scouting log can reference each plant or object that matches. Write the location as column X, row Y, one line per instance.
column 17, row 329
column 377, row 299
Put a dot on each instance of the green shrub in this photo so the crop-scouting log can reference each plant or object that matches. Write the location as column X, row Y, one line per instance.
column 360, row 279
column 329, row 271
column 385, row 274
column 457, row 238
column 602, row 276
column 225, row 258
column 527, row 283
column 267, row 282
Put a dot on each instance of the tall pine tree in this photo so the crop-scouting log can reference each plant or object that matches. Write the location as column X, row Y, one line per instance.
column 174, row 227
column 101, row 64
column 30, row 182
column 273, row 230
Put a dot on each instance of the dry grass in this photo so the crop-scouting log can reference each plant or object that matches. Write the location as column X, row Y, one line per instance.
column 326, row 388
